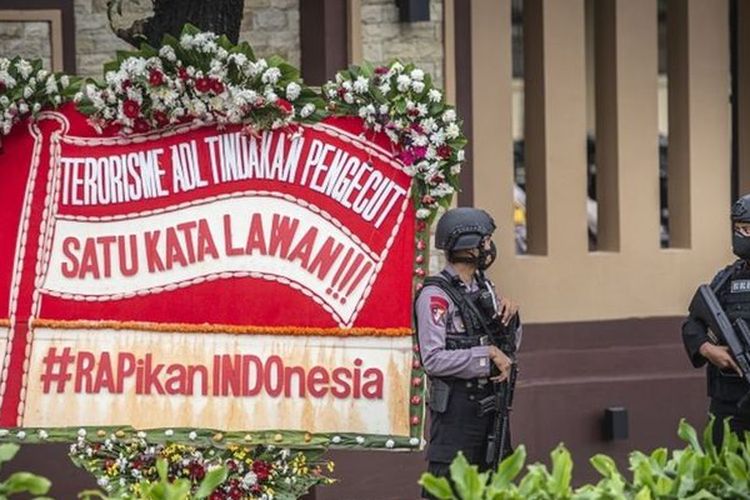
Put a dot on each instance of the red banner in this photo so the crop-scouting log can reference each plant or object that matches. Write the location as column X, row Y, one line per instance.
column 212, row 246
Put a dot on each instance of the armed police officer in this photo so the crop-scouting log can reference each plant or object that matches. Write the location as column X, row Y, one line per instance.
column 732, row 289
column 459, row 320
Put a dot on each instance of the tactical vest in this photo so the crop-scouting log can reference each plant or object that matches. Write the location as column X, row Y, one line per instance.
column 479, row 325
column 733, row 291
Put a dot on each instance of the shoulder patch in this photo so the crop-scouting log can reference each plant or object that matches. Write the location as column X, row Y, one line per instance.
column 438, row 309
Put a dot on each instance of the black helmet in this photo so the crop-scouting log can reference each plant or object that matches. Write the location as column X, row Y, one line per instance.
column 741, row 209
column 463, row 228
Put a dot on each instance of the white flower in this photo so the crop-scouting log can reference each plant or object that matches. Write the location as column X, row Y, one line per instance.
column 437, row 138
column 431, row 153
column 4, row 101
column 271, row 96
column 169, row 432
column 452, row 131
column 414, row 441
column 360, row 440
column 434, row 95
column 271, row 75
column 456, row 169
column 307, row 110
column 21, row 435
column 348, row 98
column 51, row 85
column 441, row 190
column 4, row 432
column 422, row 109
column 167, row 53
column 383, row 109
column 390, row 443
column 65, row 80
column 193, row 435
column 419, row 140
column 397, row 67
column 23, row 108
column 417, row 74
column 384, row 88
column 24, row 68
column 361, row 85
column 417, row 87
column 102, row 481
column 82, row 432
column 461, row 155
column 366, row 111
column 336, row 439
column 423, row 213
column 403, row 82
column 141, row 434
column 239, row 59
column 250, row 479
column 27, row 92
column 449, row 116
column 41, row 74
column 43, row 434
column 293, row 90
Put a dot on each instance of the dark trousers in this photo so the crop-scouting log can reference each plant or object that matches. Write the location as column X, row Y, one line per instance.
column 460, row 428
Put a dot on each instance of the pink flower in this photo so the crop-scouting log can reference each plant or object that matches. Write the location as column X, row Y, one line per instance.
column 131, row 108
column 406, row 157
column 419, row 152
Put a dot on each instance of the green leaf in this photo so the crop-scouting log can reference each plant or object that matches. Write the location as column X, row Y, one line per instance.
column 509, row 468
column 643, row 494
column 212, row 480
column 26, row 482
column 604, row 465
column 466, row 478
column 438, row 487
column 687, row 433
column 562, row 470
column 8, row 451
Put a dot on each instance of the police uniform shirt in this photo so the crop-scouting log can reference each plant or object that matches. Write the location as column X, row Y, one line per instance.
column 436, row 315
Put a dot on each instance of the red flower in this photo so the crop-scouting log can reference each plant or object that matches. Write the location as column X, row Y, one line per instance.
column 203, row 84
column 284, row 106
column 196, row 471
column 140, row 125
column 217, row 86
column 262, row 470
column 381, row 70
column 341, row 92
column 131, row 108
column 182, row 73
column 126, row 84
column 216, row 496
column 413, row 112
column 416, row 127
column 155, row 77
column 444, row 151
column 2, row 87
column 161, row 118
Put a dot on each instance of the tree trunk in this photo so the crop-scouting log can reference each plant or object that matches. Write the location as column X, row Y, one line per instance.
column 222, row 17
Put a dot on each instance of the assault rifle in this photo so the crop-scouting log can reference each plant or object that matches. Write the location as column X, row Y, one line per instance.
column 705, row 306
column 501, row 400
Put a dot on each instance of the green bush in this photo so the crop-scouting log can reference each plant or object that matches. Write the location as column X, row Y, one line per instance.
column 701, row 470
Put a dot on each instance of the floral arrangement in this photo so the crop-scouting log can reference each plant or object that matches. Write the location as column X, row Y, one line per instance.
column 123, row 466
column 26, row 89
column 200, row 77
column 402, row 102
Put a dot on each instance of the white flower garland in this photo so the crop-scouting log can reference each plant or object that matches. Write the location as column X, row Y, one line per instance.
column 401, row 101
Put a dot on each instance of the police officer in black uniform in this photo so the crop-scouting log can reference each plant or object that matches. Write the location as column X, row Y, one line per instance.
column 460, row 323
column 732, row 288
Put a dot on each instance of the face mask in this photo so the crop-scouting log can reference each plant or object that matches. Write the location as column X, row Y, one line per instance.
column 486, row 257
column 741, row 246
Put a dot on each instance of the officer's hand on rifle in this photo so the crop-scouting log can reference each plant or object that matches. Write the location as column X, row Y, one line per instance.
column 719, row 356
column 507, row 309
column 503, row 363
